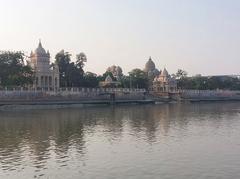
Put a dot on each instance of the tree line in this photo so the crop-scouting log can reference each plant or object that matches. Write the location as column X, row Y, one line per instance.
column 199, row 82
column 73, row 75
column 15, row 71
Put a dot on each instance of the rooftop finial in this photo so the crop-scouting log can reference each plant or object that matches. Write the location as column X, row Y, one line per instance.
column 40, row 43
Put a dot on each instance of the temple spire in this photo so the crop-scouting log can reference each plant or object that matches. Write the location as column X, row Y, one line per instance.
column 40, row 43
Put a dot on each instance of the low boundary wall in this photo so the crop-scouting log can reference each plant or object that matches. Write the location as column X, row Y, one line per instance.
column 72, row 94
column 209, row 95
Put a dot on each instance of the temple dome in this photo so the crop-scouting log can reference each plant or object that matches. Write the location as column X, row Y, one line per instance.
column 150, row 65
column 40, row 50
column 164, row 72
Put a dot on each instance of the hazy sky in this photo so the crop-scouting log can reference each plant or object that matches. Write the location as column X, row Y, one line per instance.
column 200, row 36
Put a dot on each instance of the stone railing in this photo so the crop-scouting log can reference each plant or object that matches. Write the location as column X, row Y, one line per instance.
column 211, row 94
column 74, row 89
column 7, row 94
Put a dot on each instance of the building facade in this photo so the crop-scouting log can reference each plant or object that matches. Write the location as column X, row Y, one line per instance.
column 109, row 83
column 164, row 83
column 159, row 80
column 46, row 75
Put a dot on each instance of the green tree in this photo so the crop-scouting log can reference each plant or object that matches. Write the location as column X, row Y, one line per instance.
column 116, row 71
column 71, row 74
column 90, row 80
column 138, row 79
column 199, row 82
column 63, row 59
column 81, row 60
column 125, row 81
column 180, row 74
column 75, row 76
column 13, row 71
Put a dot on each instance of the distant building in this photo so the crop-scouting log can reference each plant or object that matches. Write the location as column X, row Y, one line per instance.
column 150, row 69
column 45, row 75
column 109, row 83
column 159, row 81
column 164, row 82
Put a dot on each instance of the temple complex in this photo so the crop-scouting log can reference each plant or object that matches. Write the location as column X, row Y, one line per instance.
column 164, row 82
column 45, row 75
column 160, row 81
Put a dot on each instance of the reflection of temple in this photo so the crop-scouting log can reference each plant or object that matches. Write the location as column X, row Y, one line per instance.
column 46, row 75
column 50, row 138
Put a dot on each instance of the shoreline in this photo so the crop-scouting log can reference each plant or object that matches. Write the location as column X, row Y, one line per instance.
column 70, row 102
column 35, row 105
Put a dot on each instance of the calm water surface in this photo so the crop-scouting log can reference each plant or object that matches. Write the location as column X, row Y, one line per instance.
column 177, row 141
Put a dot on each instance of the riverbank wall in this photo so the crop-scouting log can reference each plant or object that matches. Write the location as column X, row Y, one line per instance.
column 95, row 96
column 72, row 96
column 209, row 95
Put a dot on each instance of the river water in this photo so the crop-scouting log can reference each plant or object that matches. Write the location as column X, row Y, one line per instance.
column 181, row 141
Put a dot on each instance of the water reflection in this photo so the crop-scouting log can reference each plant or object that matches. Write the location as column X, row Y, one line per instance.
column 40, row 142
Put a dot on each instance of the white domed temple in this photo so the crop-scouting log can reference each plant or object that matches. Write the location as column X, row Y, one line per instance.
column 160, row 81
column 45, row 75
column 150, row 69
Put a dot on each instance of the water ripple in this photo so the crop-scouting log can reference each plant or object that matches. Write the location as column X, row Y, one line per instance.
column 171, row 141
